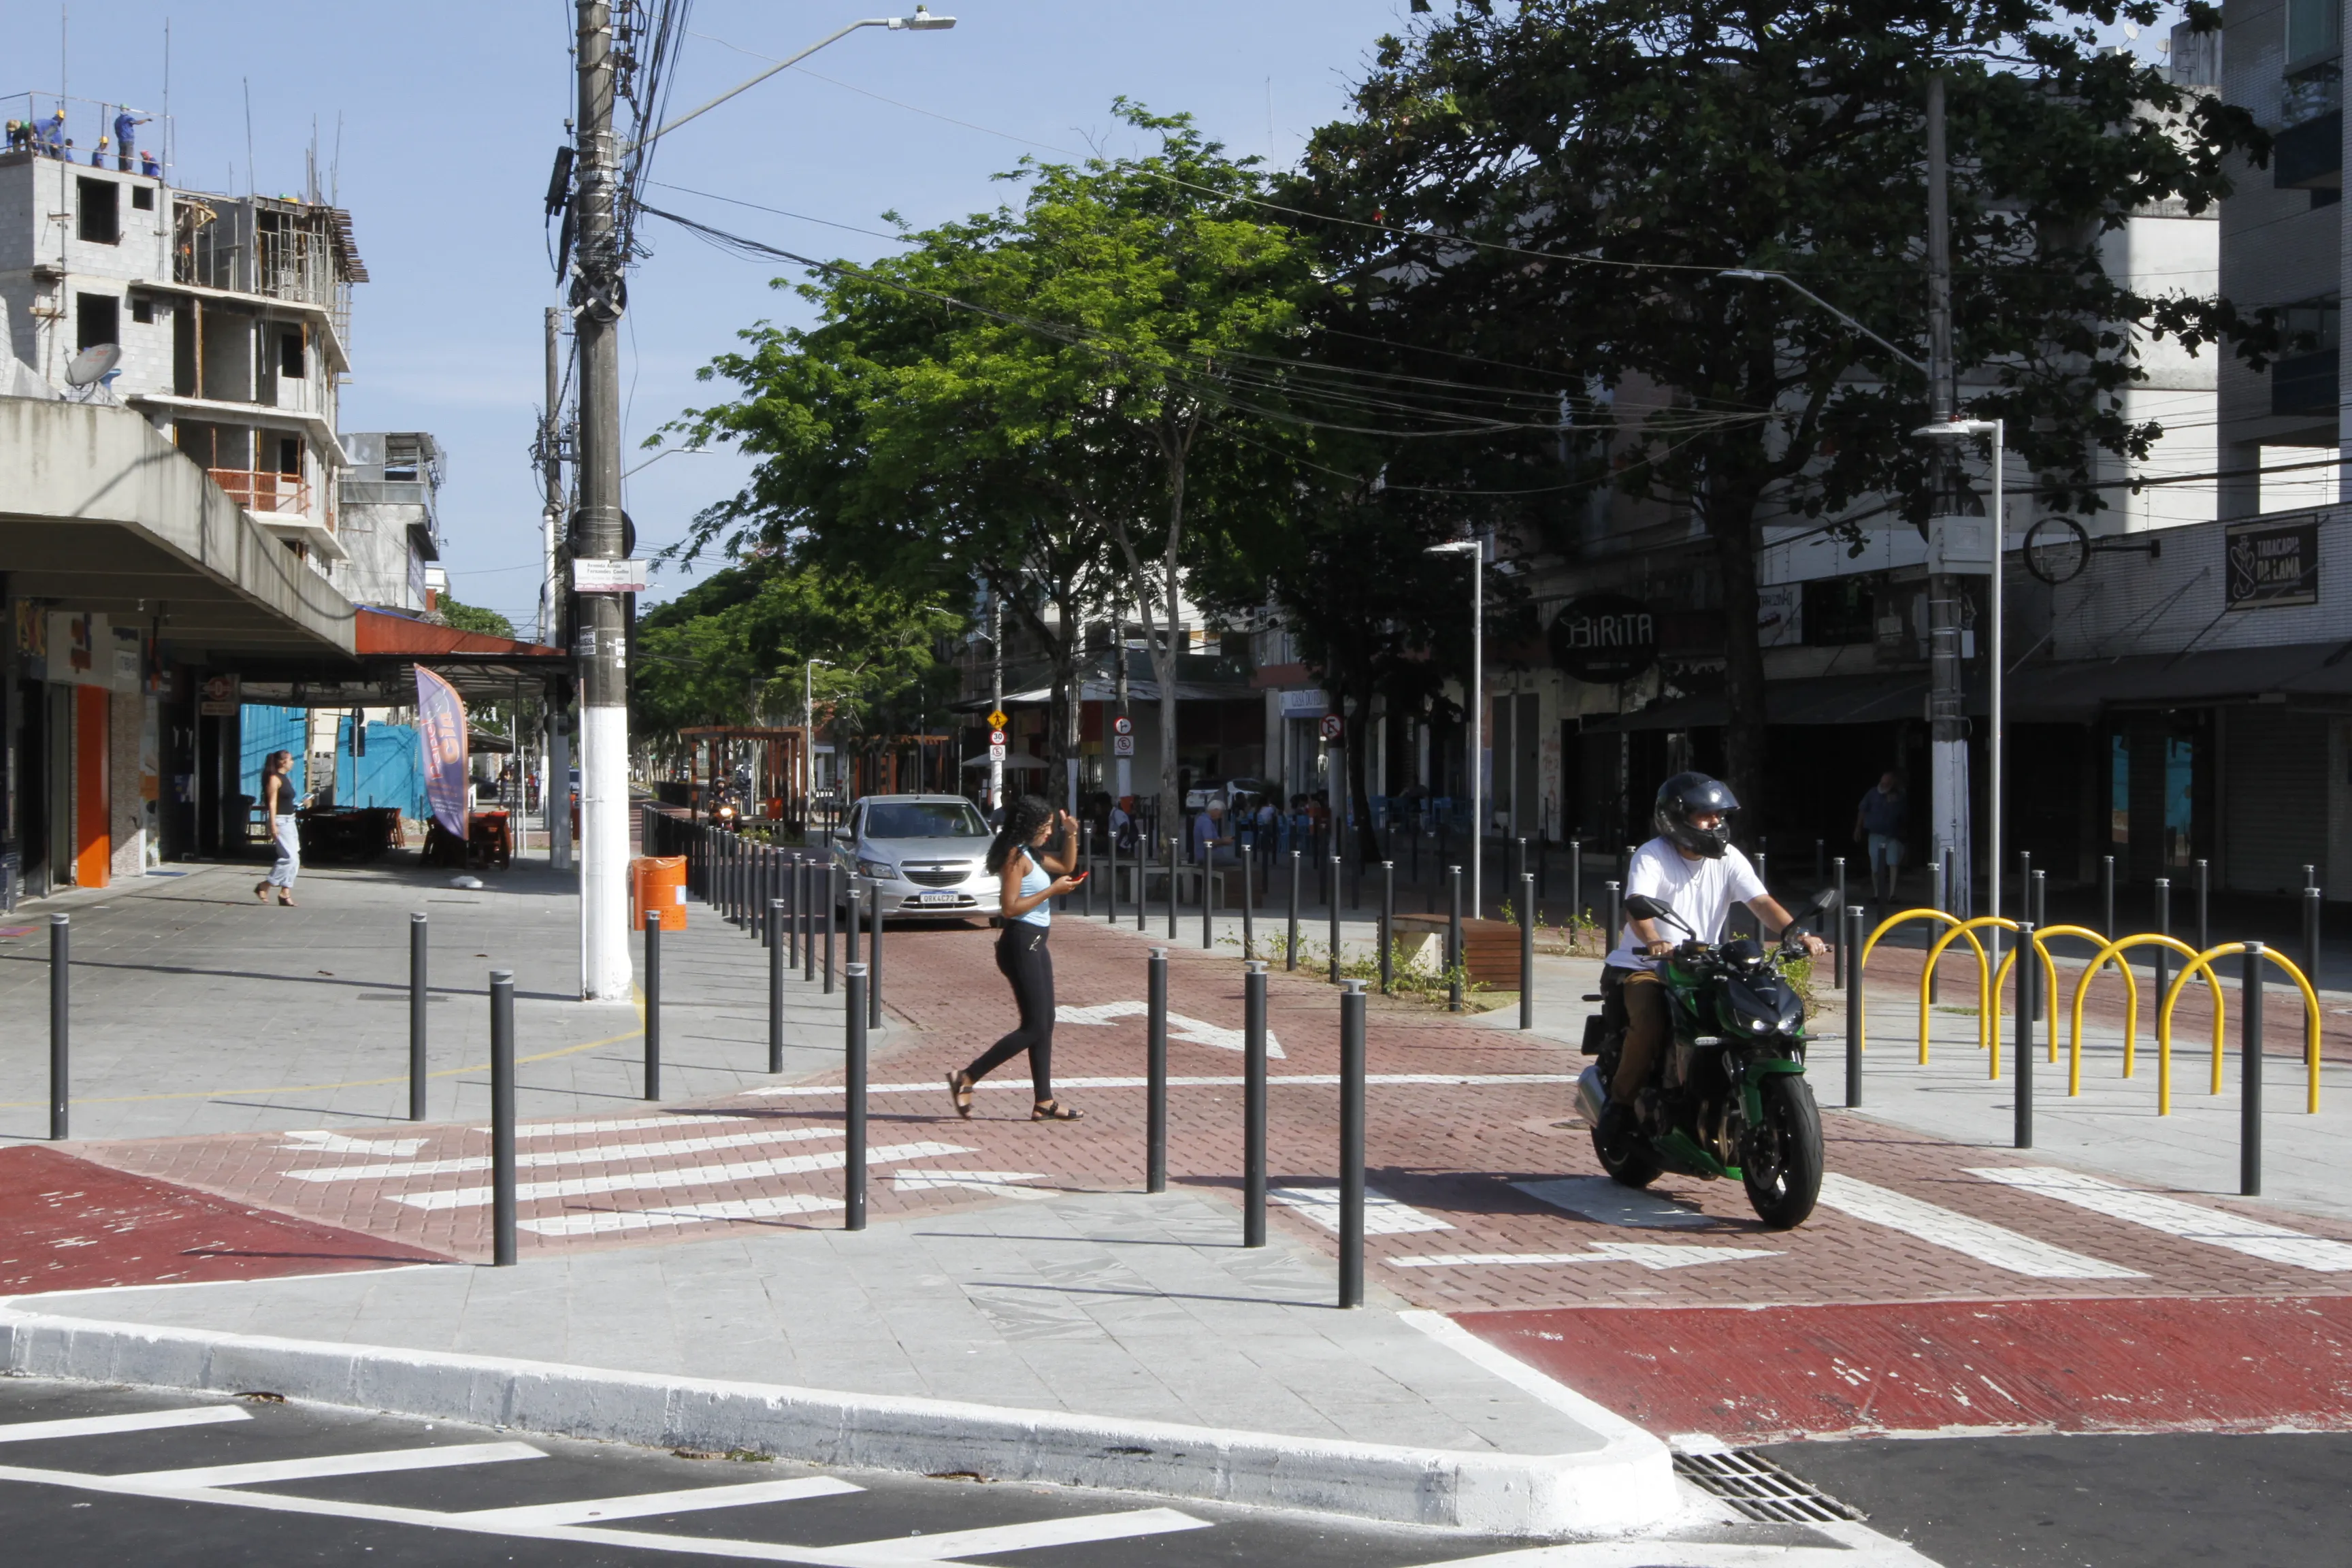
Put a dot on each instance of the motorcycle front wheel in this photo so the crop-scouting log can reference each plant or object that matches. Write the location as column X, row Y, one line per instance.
column 1781, row 1164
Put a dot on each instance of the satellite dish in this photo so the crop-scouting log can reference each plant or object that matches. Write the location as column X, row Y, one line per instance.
column 91, row 365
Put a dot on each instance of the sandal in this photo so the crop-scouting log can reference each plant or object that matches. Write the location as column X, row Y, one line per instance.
column 1055, row 1110
column 261, row 891
column 960, row 1091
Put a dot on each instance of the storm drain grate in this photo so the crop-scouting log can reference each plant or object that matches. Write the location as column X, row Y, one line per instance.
column 1761, row 1489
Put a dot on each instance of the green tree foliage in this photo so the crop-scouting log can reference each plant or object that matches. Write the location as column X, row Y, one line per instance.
column 1554, row 188
column 1040, row 394
column 733, row 650
column 473, row 618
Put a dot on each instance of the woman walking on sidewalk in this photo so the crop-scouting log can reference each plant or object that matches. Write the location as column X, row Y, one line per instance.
column 279, row 805
column 1029, row 877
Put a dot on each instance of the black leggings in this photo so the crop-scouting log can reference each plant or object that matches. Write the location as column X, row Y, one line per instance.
column 1022, row 958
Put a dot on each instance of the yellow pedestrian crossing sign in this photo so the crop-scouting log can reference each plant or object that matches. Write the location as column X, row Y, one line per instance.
column 996, row 720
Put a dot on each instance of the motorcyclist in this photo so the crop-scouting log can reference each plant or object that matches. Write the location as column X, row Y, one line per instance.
column 1693, row 868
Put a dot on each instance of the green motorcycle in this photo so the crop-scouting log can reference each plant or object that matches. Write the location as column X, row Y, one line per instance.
column 1730, row 1096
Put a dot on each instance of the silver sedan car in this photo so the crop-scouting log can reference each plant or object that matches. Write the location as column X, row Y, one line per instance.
column 925, row 854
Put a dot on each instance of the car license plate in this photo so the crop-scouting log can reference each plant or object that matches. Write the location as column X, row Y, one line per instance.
column 937, row 898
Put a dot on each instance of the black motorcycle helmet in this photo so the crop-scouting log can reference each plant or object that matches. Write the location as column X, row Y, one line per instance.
column 1686, row 795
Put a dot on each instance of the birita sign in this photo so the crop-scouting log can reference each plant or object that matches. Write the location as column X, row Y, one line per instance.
column 1604, row 638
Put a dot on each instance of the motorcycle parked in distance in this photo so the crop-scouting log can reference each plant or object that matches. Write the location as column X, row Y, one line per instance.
column 1730, row 1096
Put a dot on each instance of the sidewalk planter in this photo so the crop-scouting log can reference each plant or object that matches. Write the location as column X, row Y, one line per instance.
column 1490, row 949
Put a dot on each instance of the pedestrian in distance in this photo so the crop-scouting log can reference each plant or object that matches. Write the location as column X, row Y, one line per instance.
column 1031, row 858
column 278, row 804
column 1878, row 824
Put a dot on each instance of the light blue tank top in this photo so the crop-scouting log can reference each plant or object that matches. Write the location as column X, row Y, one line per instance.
column 1035, row 880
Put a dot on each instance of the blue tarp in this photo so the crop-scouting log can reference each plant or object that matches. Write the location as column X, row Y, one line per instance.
column 391, row 775
column 262, row 730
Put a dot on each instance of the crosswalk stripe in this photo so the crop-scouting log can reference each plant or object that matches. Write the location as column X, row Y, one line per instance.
column 643, row 1505
column 2189, row 1222
column 620, row 1124
column 1980, row 1239
column 682, row 1214
column 1077, row 1531
column 602, row 1154
column 1278, row 1081
column 102, row 1426
column 692, row 1177
column 1383, row 1216
column 1645, row 1255
column 1613, row 1203
column 321, row 1465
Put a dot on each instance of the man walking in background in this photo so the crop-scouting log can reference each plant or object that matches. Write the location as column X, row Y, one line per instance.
column 1878, row 823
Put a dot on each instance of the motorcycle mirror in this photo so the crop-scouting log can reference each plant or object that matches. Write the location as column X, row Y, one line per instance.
column 1643, row 907
column 1818, row 902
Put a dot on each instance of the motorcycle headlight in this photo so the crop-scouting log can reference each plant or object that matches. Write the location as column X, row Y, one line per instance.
column 878, row 869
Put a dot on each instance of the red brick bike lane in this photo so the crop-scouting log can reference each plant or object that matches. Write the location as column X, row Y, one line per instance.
column 1489, row 1203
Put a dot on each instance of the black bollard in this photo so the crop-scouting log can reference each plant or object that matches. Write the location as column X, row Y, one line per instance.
column 1940, row 887
column 1519, row 860
column 2311, row 897
column 831, row 900
column 804, row 919
column 1290, row 952
column 1841, row 961
column 1852, row 944
column 1454, row 963
column 1208, row 880
column 1526, row 951
column 1249, row 924
column 874, row 957
column 1388, row 926
column 2250, row 1092
column 1254, row 1105
column 2204, row 890
column 1821, row 848
column 2108, row 897
column 1155, row 1131
column 1111, row 900
column 1616, row 919
column 2029, row 971
column 1142, row 875
column 60, row 1022
column 2040, row 905
column 502, row 1117
column 796, row 889
column 1174, row 846
column 853, row 1163
column 416, row 1032
column 1086, row 862
column 1351, row 1144
column 653, row 1005
column 1332, row 871
column 2163, row 928
column 775, row 984
column 1575, row 881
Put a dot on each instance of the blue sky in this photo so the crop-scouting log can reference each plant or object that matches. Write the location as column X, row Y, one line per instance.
column 449, row 114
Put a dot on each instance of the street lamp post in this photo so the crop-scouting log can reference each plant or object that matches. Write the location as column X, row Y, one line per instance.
column 808, row 732
column 1476, row 551
column 1958, row 430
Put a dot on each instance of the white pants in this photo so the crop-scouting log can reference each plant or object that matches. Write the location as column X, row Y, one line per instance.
column 287, row 834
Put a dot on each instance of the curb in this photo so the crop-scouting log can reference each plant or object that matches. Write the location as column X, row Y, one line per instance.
column 1626, row 1483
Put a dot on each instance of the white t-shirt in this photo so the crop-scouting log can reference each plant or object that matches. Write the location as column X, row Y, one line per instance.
column 1700, row 892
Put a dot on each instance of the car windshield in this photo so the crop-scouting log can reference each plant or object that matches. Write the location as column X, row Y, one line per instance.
column 924, row 819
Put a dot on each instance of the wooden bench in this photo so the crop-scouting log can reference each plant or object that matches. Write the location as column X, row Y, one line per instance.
column 1490, row 949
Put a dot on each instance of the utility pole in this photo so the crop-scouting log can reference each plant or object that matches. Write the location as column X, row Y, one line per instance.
column 555, row 792
column 1946, row 717
column 997, row 692
column 600, row 634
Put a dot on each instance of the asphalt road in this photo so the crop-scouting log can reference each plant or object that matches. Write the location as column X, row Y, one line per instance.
column 2268, row 1501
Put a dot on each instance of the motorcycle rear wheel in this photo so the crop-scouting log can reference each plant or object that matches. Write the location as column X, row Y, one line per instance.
column 1781, row 1162
column 1634, row 1164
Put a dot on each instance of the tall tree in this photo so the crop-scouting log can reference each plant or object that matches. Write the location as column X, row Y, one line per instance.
column 1559, row 184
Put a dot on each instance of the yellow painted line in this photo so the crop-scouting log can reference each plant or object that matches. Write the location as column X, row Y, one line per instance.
column 636, row 997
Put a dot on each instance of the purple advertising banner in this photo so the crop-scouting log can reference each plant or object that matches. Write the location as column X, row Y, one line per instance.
column 441, row 719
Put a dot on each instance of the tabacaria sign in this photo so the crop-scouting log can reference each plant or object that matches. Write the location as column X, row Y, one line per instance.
column 2271, row 564
column 1604, row 638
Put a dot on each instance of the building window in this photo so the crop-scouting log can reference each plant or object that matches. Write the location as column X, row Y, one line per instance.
column 289, row 355
column 101, row 207
column 2311, row 28
column 144, row 197
column 98, row 319
column 290, row 454
column 401, row 456
column 142, row 310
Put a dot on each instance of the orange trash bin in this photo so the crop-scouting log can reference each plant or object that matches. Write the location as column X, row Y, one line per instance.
column 658, row 882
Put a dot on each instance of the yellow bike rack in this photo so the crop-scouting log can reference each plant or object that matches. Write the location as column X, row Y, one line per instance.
column 2310, row 1015
column 2196, row 964
column 1854, row 976
column 2050, row 972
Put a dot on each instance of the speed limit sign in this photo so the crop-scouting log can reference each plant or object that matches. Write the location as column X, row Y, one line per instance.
column 1330, row 726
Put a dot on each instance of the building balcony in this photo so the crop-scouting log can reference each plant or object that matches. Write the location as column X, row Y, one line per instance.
column 280, row 503
column 2310, row 156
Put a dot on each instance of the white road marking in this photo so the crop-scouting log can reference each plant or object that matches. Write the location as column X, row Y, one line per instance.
column 623, row 1124
column 320, row 1464
column 683, row 1214
column 336, row 1143
column 996, row 1184
column 1613, row 1203
column 690, row 1499
column 2190, row 1222
column 692, row 1177
column 1980, row 1239
column 1079, row 1532
column 1277, row 1081
column 1179, row 1028
column 101, row 1425
column 603, row 1154
column 1859, row 1546
column 1383, row 1216
column 1642, row 1253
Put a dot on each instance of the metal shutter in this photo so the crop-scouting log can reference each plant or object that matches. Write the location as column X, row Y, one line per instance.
column 2276, row 805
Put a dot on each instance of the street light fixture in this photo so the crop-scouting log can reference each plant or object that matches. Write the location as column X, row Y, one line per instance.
column 922, row 21
column 1963, row 430
column 1476, row 551
column 1757, row 275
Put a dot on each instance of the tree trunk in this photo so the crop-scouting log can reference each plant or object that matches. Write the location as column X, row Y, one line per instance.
column 1359, row 747
column 1731, row 521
